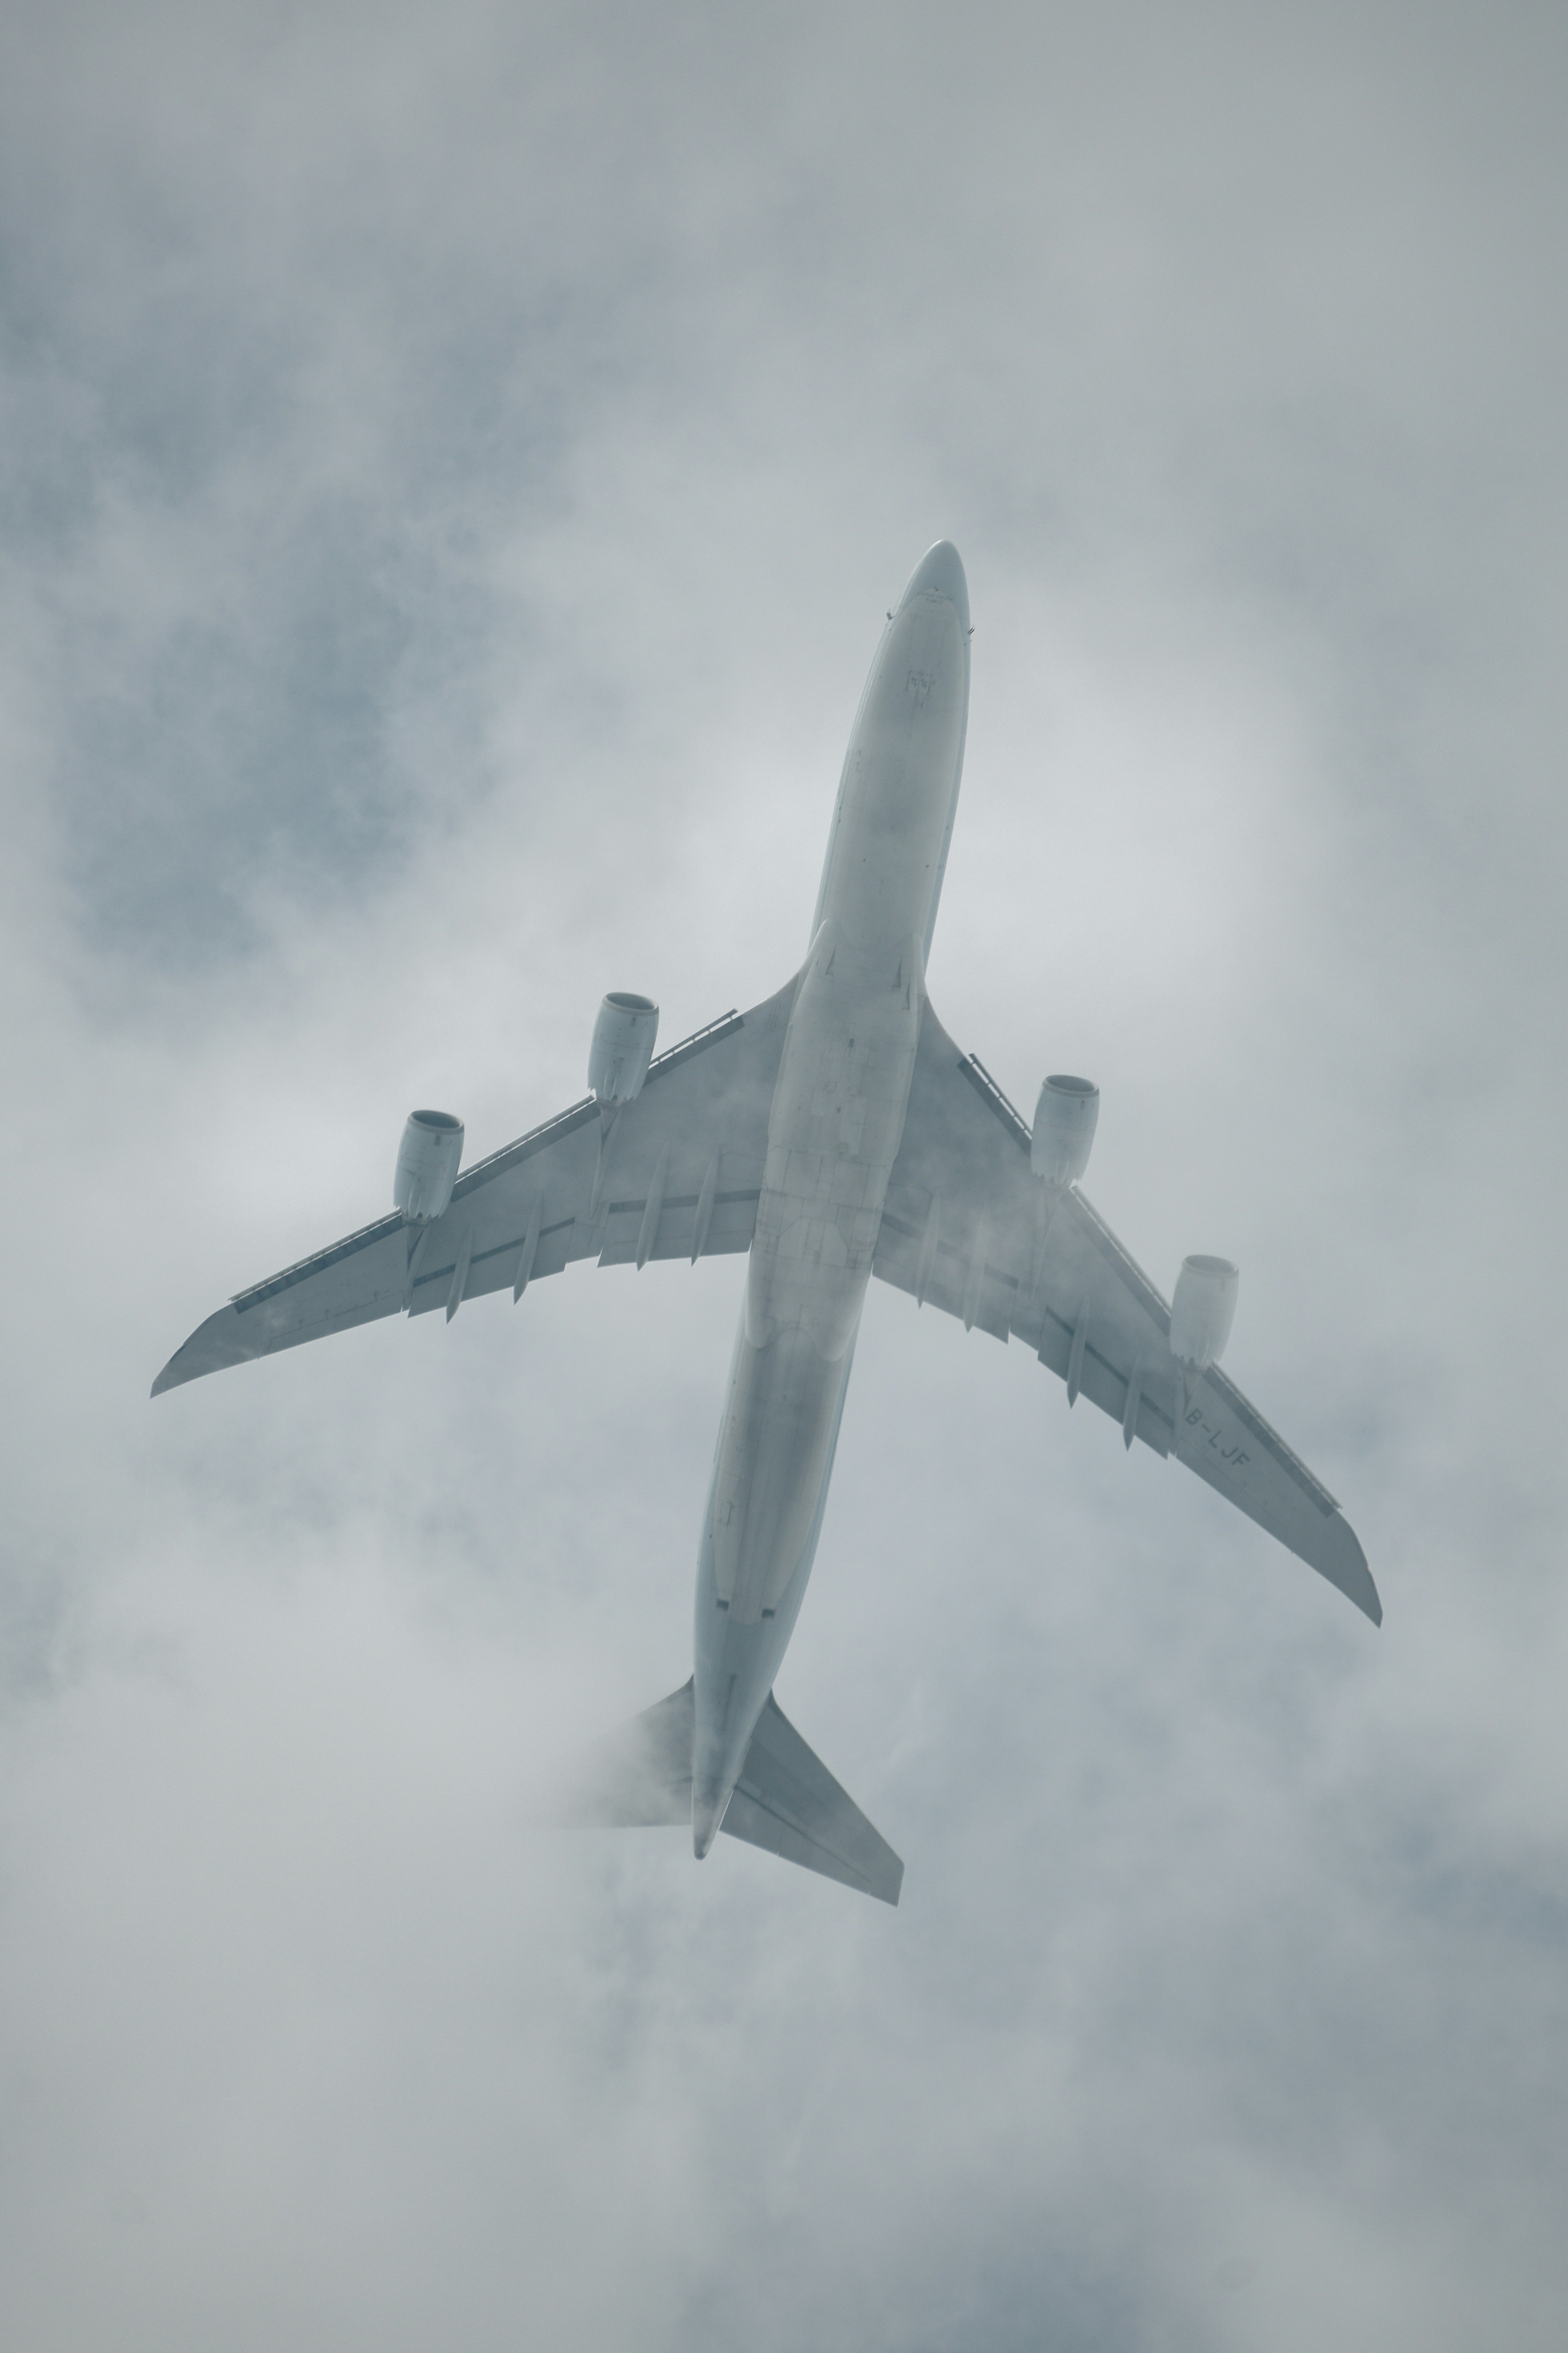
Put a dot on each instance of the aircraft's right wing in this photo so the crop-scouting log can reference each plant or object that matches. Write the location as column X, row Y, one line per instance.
column 970, row 1228
column 676, row 1174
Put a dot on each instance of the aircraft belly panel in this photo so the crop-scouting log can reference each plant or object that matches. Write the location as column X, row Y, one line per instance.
column 774, row 1455
column 901, row 774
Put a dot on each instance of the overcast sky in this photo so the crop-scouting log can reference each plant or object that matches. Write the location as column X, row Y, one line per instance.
column 455, row 463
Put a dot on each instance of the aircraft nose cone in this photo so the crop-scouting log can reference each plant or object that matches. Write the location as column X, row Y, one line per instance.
column 940, row 573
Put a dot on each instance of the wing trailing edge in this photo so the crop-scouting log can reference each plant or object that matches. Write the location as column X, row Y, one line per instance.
column 969, row 1229
column 679, row 1178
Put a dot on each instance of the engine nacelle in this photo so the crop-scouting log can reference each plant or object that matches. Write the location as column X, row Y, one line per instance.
column 622, row 1047
column 1203, row 1311
column 427, row 1161
column 1064, row 1119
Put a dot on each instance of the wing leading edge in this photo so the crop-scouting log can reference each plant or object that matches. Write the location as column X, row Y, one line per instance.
column 676, row 1175
column 970, row 1228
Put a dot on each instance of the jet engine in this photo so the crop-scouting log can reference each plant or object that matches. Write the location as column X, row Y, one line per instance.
column 1203, row 1311
column 427, row 1161
column 622, row 1047
column 1065, row 1121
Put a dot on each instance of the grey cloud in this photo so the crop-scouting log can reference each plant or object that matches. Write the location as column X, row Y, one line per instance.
column 452, row 478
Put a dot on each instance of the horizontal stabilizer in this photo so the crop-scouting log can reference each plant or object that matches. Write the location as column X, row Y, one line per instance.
column 786, row 1801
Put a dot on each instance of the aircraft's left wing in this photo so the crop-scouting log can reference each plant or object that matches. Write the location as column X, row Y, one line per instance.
column 970, row 1228
column 676, row 1174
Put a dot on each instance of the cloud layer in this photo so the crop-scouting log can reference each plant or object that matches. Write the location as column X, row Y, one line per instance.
column 454, row 471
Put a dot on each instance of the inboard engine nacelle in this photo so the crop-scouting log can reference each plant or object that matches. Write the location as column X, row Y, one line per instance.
column 622, row 1047
column 427, row 1161
column 1203, row 1311
column 1065, row 1120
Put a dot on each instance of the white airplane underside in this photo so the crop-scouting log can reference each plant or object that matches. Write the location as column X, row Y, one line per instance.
column 835, row 1132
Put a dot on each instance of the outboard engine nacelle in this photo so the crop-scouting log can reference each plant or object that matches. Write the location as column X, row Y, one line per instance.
column 427, row 1161
column 622, row 1047
column 1064, row 1119
column 1203, row 1311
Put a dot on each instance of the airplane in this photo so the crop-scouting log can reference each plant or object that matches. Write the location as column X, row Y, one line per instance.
column 833, row 1133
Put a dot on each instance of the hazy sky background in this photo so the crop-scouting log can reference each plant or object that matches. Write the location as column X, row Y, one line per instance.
column 455, row 463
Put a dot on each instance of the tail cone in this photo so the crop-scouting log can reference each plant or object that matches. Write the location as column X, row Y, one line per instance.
column 707, row 1814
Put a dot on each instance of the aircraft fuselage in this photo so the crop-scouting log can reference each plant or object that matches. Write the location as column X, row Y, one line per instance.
column 838, row 1132
column 834, row 1131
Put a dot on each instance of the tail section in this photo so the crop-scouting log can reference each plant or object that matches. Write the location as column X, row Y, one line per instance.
column 786, row 1801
